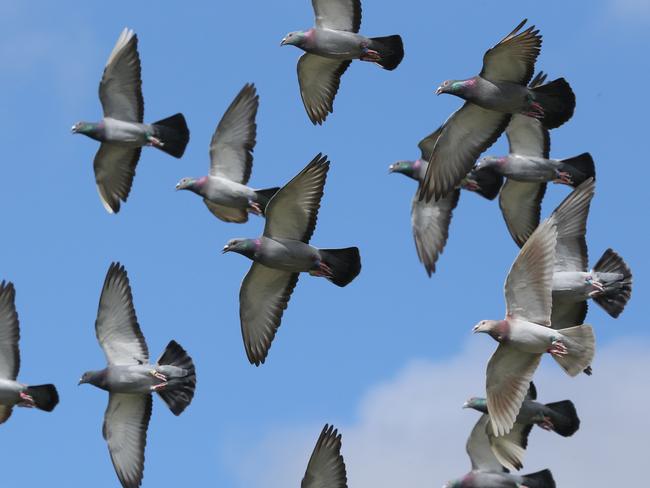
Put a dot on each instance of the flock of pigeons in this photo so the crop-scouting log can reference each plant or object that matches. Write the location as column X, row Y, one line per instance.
column 546, row 291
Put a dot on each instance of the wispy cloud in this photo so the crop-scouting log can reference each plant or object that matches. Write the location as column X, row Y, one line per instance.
column 411, row 430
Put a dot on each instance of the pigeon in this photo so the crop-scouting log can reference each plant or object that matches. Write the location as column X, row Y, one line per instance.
column 609, row 283
column 330, row 47
column 122, row 132
column 528, row 168
column 487, row 471
column 42, row 397
column 282, row 253
column 130, row 379
column 224, row 190
column 525, row 333
column 326, row 468
column 560, row 417
column 492, row 97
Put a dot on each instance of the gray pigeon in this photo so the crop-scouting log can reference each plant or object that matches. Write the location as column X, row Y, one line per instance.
column 528, row 168
column 326, row 468
column 491, row 98
column 282, row 253
column 609, row 283
column 43, row 397
column 487, row 471
column 330, row 47
column 122, row 131
column 224, row 190
column 130, row 378
column 560, row 417
column 526, row 333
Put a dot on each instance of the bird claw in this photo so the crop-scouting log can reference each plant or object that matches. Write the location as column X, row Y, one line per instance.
column 158, row 375
column 558, row 348
column 254, row 208
column 563, row 178
column 535, row 111
column 28, row 400
column 370, row 55
column 546, row 424
column 598, row 288
column 323, row 270
column 159, row 386
column 155, row 142
column 470, row 185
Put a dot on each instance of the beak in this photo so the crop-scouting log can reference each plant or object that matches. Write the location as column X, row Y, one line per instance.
column 225, row 249
column 73, row 129
column 391, row 168
column 283, row 42
column 439, row 90
column 475, row 329
column 178, row 186
column 81, row 380
column 466, row 405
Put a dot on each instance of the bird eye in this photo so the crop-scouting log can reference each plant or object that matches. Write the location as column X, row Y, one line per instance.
column 445, row 83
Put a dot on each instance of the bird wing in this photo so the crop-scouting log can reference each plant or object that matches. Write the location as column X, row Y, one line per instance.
column 571, row 217
column 465, row 135
column 567, row 313
column 117, row 326
column 114, row 171
column 478, row 448
column 509, row 373
column 341, row 15
column 263, row 297
column 227, row 214
column 120, row 90
column 5, row 413
column 510, row 448
column 9, row 334
column 521, row 206
column 529, row 283
column 326, row 468
column 527, row 136
column 319, row 80
column 427, row 144
column 513, row 58
column 293, row 210
column 430, row 222
column 125, row 430
column 231, row 148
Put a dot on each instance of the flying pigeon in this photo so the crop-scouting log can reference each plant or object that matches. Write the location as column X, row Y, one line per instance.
column 330, row 47
column 130, row 379
column 122, row 132
column 528, row 168
column 224, row 190
column 525, row 333
column 560, row 417
column 282, row 253
column 492, row 97
column 43, row 397
column 487, row 472
column 326, row 468
column 609, row 283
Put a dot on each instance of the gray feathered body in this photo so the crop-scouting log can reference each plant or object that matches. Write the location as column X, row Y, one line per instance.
column 575, row 286
column 500, row 96
column 287, row 255
column 530, row 337
column 135, row 378
column 487, row 479
column 335, row 44
column 119, row 132
column 223, row 191
column 524, row 168
column 10, row 392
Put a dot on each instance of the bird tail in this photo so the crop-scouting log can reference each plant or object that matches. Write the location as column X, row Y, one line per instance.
column 485, row 182
column 181, row 380
column 345, row 264
column 45, row 396
column 580, row 168
column 541, row 479
column 173, row 133
column 564, row 417
column 618, row 288
column 265, row 195
column 581, row 344
column 390, row 49
column 557, row 102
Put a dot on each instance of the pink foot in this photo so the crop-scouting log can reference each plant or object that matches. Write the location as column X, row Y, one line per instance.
column 27, row 400
column 323, row 270
column 158, row 375
column 535, row 110
column 254, row 208
column 159, row 386
column 546, row 424
column 597, row 288
column 155, row 142
column 370, row 55
column 563, row 178
column 557, row 349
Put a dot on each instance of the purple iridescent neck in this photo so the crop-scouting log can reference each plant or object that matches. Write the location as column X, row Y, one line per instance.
column 500, row 331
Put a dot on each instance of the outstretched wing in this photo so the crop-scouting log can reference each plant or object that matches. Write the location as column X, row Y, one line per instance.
column 342, row 15
column 120, row 90
column 114, row 171
column 326, row 468
column 9, row 335
column 478, row 448
column 319, row 80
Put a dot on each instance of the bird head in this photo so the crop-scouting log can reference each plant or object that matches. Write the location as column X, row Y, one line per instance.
column 246, row 247
column 406, row 168
column 484, row 326
column 476, row 403
column 91, row 377
column 454, row 87
column 488, row 162
column 185, row 183
column 295, row 38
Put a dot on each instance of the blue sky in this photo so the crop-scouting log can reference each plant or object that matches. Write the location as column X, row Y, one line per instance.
column 335, row 346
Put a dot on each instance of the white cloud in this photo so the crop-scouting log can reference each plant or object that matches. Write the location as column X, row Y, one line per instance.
column 410, row 431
